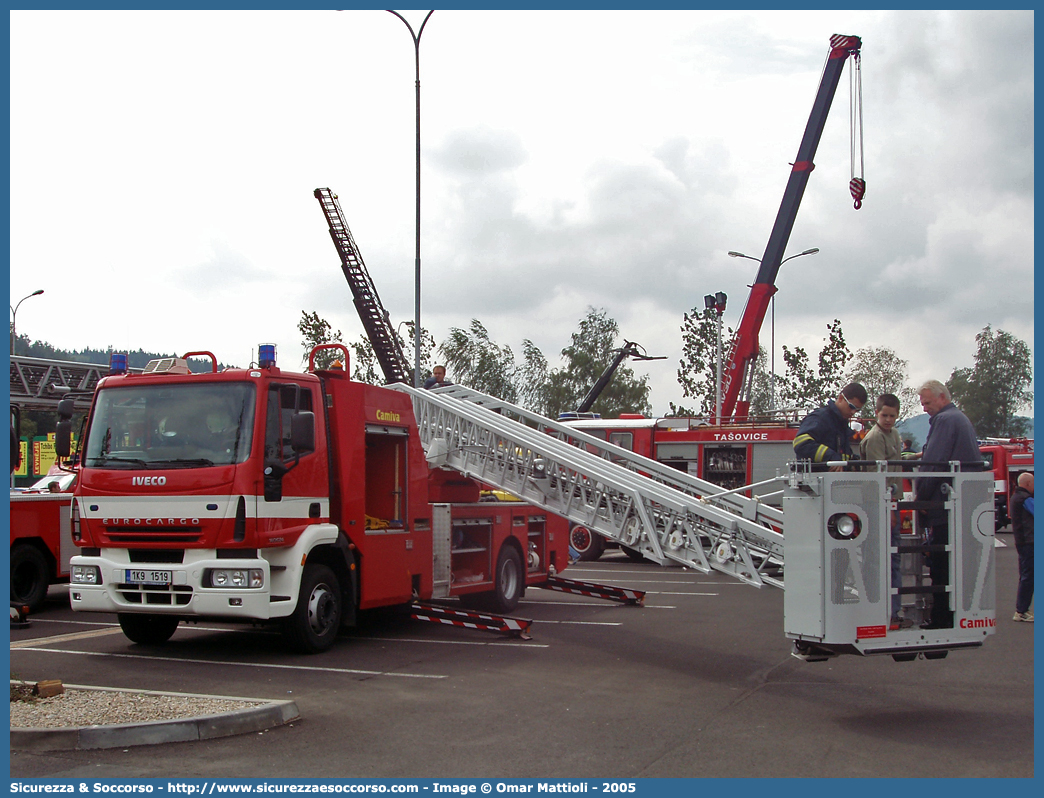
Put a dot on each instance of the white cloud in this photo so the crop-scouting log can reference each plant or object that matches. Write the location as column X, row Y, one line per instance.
column 163, row 164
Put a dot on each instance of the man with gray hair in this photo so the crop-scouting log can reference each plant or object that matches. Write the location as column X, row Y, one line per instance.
column 951, row 436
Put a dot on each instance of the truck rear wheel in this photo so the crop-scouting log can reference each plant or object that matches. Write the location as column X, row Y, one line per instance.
column 148, row 630
column 313, row 626
column 633, row 554
column 30, row 576
column 507, row 580
column 588, row 545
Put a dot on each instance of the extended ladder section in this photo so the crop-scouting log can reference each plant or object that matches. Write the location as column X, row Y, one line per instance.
column 732, row 500
column 549, row 465
column 374, row 317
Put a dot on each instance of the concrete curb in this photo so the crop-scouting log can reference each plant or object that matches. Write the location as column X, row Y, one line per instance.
column 203, row 727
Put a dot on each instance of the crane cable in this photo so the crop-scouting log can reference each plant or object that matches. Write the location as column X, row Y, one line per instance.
column 857, row 185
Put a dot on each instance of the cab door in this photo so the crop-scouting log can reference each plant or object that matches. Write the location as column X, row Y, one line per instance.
column 295, row 482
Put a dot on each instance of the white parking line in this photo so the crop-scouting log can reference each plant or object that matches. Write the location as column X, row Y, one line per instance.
column 115, row 629
column 580, row 623
column 493, row 643
column 594, row 604
column 243, row 664
column 61, row 638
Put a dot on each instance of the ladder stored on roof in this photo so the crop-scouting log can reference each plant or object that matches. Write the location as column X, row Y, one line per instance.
column 549, row 465
column 374, row 317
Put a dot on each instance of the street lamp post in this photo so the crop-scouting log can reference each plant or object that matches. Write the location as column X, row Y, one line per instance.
column 717, row 302
column 14, row 316
column 772, row 367
column 417, row 267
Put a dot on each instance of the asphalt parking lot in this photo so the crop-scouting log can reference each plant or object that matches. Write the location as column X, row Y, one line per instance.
column 698, row 683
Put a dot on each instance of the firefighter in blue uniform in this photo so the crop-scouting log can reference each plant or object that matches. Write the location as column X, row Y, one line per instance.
column 824, row 436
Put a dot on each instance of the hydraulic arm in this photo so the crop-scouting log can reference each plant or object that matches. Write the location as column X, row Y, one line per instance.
column 739, row 366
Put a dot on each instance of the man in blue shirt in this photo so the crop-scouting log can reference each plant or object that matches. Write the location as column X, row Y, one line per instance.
column 1021, row 513
column 951, row 436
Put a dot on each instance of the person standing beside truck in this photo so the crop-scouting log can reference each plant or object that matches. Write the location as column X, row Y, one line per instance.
column 951, row 437
column 437, row 378
column 1022, row 527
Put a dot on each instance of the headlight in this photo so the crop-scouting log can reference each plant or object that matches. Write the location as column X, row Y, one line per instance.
column 85, row 575
column 237, row 577
column 844, row 526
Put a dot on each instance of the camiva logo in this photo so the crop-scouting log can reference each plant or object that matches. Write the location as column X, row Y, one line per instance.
column 977, row 623
column 386, row 415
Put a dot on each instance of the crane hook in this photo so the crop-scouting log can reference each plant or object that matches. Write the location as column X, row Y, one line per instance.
column 858, row 188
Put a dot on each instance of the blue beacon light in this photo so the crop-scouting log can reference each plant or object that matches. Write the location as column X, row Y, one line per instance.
column 117, row 363
column 266, row 356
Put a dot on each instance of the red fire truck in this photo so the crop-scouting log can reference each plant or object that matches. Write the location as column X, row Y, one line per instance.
column 1007, row 458
column 261, row 495
column 40, row 542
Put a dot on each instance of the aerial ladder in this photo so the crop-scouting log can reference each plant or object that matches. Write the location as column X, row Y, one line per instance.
column 737, row 377
column 567, row 472
column 835, row 524
column 374, row 317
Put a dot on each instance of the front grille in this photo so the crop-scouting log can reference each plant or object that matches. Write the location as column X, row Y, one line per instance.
column 160, row 595
column 124, row 535
column 167, row 556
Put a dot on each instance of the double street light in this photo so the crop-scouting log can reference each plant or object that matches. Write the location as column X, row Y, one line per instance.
column 417, row 276
column 14, row 316
column 772, row 367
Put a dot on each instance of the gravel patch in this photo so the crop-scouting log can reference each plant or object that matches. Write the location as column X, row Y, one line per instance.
column 77, row 708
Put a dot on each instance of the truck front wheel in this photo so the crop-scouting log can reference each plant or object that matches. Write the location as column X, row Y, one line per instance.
column 314, row 624
column 148, row 630
column 30, row 576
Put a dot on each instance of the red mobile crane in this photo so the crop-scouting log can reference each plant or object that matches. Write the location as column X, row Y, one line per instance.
column 743, row 451
column 738, row 372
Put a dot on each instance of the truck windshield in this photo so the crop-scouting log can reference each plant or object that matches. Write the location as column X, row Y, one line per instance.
column 171, row 426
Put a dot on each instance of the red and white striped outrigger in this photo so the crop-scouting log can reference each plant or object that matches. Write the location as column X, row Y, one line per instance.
column 519, row 627
column 621, row 594
column 435, row 613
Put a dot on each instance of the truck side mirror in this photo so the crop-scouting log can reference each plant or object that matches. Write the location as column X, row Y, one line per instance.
column 302, row 432
column 16, row 451
column 66, row 407
column 63, row 438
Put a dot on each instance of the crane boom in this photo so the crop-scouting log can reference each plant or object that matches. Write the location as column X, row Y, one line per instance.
column 739, row 366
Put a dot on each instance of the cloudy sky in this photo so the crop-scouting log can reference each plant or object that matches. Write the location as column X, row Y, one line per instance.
column 163, row 165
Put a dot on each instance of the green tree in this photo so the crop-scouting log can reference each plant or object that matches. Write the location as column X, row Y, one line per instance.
column 314, row 331
column 364, row 365
column 880, row 370
column 698, row 368
column 802, row 387
column 531, row 378
column 475, row 360
column 409, row 349
column 997, row 386
column 591, row 352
